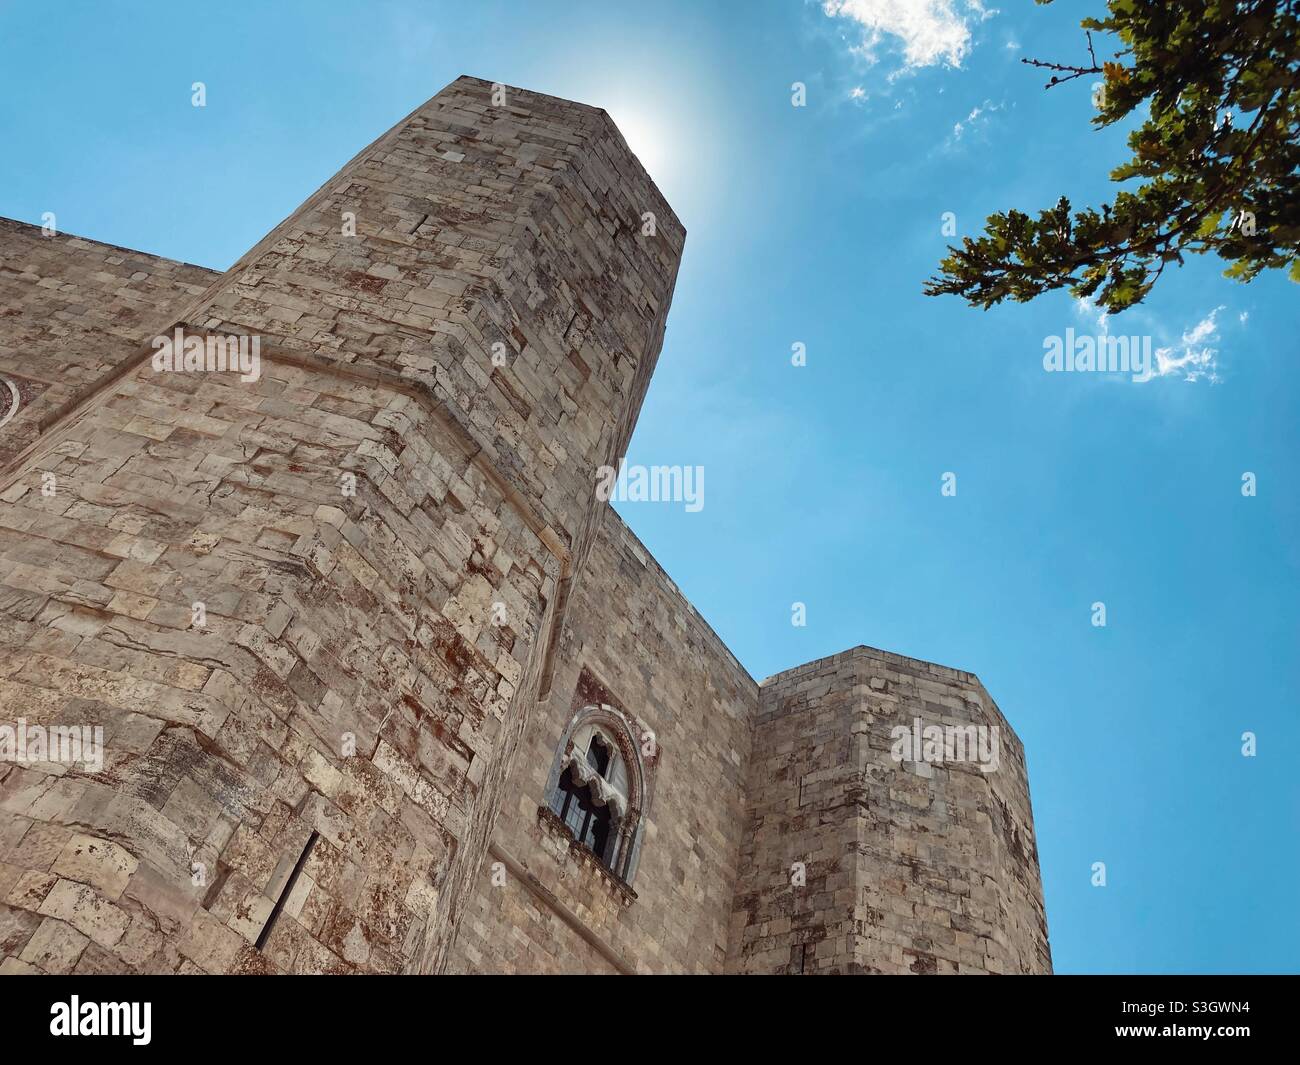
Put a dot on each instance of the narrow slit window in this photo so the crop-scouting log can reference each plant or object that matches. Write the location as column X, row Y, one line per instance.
column 286, row 890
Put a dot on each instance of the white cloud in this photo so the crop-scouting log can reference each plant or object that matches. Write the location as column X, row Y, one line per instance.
column 977, row 119
column 1203, row 329
column 1194, row 358
column 930, row 31
column 1198, row 359
column 1085, row 306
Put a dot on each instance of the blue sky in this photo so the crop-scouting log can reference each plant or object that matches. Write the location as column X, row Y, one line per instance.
column 817, row 225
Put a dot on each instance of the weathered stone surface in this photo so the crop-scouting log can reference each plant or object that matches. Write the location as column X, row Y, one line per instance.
column 633, row 641
column 335, row 621
column 907, row 867
column 71, row 309
column 55, row 948
column 100, row 863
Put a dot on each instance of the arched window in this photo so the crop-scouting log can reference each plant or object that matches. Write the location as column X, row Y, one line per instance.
column 597, row 788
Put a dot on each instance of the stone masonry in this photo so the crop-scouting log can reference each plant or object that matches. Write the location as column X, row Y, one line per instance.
column 909, row 868
column 335, row 622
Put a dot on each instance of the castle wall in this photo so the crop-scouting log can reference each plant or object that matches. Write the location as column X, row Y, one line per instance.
column 70, row 310
column 635, row 642
column 330, row 715
column 225, row 739
column 920, row 868
column 517, row 931
column 343, row 717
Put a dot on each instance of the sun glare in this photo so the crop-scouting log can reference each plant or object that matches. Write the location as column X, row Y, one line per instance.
column 647, row 139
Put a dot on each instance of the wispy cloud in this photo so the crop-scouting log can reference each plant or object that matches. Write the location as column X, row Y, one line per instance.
column 978, row 117
column 1195, row 357
column 1198, row 359
column 930, row 32
column 1086, row 308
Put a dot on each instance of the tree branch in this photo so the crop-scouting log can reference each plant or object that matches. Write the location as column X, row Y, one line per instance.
column 1075, row 72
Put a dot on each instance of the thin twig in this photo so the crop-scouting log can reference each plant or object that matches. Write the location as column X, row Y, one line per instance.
column 1074, row 72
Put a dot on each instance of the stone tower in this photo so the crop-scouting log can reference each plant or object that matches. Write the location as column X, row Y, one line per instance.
column 337, row 616
column 855, row 861
column 313, row 612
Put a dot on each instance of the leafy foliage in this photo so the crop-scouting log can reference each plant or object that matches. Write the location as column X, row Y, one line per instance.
column 1217, row 157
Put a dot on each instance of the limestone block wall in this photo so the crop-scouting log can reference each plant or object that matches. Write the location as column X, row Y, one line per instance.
column 303, row 775
column 226, row 739
column 928, row 868
column 70, row 310
column 634, row 641
column 333, row 622
column 516, row 224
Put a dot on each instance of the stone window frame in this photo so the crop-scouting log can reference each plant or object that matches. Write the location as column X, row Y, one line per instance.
column 622, row 734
